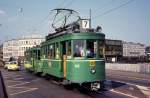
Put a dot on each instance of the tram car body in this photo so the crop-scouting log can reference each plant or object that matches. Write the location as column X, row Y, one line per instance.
column 75, row 57
column 32, row 59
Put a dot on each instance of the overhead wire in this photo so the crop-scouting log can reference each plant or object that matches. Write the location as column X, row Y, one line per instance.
column 113, row 9
column 69, row 4
column 103, row 6
column 62, row 3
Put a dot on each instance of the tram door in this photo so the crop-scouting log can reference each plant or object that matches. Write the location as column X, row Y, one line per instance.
column 64, row 57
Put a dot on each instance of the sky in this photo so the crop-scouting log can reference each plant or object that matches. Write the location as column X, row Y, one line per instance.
column 126, row 20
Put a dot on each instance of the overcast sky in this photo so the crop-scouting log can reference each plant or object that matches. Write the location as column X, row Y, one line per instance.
column 120, row 19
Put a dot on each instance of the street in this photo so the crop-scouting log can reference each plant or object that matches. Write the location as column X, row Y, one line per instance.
column 135, row 84
column 22, row 84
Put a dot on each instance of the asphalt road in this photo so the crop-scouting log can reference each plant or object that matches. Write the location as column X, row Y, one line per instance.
column 137, row 84
column 129, row 77
column 21, row 84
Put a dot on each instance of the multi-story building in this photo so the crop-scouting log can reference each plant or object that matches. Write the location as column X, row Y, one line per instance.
column 1, row 56
column 147, row 52
column 117, row 50
column 133, row 52
column 113, row 50
column 131, row 49
column 16, row 47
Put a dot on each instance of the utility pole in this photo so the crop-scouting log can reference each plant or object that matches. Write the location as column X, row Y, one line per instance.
column 90, row 18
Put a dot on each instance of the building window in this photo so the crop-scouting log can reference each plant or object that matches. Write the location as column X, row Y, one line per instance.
column 26, row 42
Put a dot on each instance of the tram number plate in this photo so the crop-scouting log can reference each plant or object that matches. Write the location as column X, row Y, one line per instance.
column 92, row 63
column 85, row 23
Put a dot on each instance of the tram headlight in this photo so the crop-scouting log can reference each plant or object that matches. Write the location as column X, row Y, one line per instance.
column 93, row 71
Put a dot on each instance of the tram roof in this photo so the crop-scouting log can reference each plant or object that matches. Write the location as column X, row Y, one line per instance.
column 73, row 36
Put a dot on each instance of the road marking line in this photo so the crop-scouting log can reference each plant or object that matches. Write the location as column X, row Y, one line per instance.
column 9, row 74
column 139, row 86
column 13, row 81
column 13, row 76
column 143, row 87
column 20, row 87
column 127, row 77
column 6, row 73
column 24, row 91
column 6, row 77
column 18, row 78
column 123, row 94
column 19, row 84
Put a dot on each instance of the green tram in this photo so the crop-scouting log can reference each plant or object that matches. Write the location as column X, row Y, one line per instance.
column 76, row 57
column 72, row 54
column 32, row 59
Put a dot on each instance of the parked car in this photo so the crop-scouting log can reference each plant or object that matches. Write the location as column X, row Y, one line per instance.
column 13, row 65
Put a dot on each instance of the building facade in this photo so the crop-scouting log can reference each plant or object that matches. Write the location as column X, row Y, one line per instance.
column 133, row 52
column 147, row 52
column 113, row 50
column 131, row 49
column 15, row 48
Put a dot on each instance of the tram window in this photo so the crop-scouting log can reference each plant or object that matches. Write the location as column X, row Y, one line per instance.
column 68, row 49
column 46, row 51
column 57, row 51
column 63, row 48
column 101, row 49
column 38, row 55
column 51, row 49
column 91, row 49
column 78, row 48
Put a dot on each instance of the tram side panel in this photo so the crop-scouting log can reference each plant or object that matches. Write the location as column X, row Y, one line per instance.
column 80, row 71
column 53, row 67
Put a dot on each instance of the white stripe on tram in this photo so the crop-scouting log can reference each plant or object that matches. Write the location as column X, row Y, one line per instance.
column 72, row 60
column 83, row 60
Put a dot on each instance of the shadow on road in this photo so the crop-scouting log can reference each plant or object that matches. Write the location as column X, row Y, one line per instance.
column 3, row 93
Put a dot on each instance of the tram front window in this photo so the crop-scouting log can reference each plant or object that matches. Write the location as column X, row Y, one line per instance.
column 91, row 48
column 78, row 46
